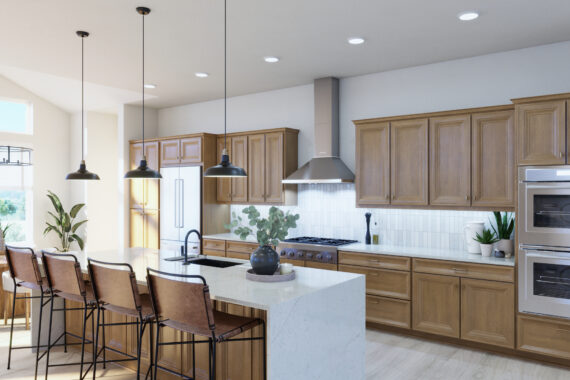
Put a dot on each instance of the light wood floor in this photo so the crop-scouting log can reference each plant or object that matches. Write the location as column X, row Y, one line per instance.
column 388, row 357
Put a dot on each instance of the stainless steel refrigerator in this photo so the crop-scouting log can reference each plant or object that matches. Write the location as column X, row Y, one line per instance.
column 180, row 206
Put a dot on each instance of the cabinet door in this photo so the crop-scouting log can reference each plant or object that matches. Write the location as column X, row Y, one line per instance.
column 256, row 168
column 543, row 335
column 136, row 238
column 450, row 160
column 151, row 186
column 136, row 186
column 169, row 152
column 274, row 166
column 541, row 133
column 191, row 150
column 151, row 229
column 239, row 158
column 435, row 304
column 373, row 164
column 493, row 159
column 409, row 162
column 488, row 312
column 224, row 192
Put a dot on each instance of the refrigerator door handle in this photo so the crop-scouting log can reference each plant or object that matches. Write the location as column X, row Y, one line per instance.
column 181, row 192
column 176, row 209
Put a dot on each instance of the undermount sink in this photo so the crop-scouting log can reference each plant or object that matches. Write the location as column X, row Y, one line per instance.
column 213, row 263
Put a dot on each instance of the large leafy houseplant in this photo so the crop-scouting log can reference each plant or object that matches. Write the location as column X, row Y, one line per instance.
column 64, row 223
column 270, row 230
column 505, row 224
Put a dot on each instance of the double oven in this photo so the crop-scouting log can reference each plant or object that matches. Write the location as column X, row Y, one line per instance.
column 544, row 240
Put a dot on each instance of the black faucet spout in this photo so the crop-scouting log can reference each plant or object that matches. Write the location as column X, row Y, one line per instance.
column 186, row 243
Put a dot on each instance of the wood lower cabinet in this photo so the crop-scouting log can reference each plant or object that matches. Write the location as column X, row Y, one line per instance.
column 541, row 133
column 239, row 158
column 543, row 335
column 388, row 311
column 450, row 160
column 488, row 312
column 383, row 282
column 435, row 304
column 144, row 228
column 493, row 159
column 409, row 162
column 373, row 164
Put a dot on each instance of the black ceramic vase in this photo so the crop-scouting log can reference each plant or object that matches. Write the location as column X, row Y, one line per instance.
column 264, row 260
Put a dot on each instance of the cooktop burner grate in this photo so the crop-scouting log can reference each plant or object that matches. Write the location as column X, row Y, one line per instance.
column 320, row 241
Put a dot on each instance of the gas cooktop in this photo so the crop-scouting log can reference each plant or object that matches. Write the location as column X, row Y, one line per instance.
column 319, row 241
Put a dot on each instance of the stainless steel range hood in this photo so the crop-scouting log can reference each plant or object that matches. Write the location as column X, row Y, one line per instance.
column 326, row 166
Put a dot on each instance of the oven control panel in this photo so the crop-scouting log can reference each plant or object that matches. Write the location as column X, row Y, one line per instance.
column 316, row 253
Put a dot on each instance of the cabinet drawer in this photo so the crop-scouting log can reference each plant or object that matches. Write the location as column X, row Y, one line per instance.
column 237, row 246
column 326, row 266
column 383, row 282
column 544, row 336
column 296, row 263
column 374, row 261
column 217, row 245
column 212, row 252
column 388, row 311
column 452, row 268
column 237, row 255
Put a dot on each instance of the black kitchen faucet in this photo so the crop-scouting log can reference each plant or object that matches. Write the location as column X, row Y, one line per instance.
column 186, row 262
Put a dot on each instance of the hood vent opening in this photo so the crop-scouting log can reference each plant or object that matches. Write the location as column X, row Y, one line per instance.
column 326, row 166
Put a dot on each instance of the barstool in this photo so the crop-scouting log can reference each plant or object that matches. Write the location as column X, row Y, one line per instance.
column 25, row 272
column 116, row 290
column 8, row 288
column 65, row 280
column 186, row 306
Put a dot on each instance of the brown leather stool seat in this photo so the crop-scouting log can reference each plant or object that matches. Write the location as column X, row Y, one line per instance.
column 145, row 304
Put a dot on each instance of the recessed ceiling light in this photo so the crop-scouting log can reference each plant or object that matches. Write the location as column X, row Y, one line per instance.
column 149, row 85
column 271, row 59
column 468, row 16
column 201, row 75
column 356, row 40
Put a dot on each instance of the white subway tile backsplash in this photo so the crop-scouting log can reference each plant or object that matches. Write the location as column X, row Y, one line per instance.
column 328, row 210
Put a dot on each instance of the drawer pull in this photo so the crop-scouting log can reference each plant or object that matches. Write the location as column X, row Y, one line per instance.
column 459, row 270
column 373, row 260
column 563, row 331
column 374, row 302
column 374, row 274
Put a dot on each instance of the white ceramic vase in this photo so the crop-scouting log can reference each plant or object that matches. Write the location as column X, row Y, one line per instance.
column 486, row 249
column 470, row 231
column 507, row 246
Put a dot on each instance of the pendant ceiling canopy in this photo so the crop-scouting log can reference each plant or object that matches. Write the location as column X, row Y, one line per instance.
column 225, row 167
column 143, row 171
column 82, row 173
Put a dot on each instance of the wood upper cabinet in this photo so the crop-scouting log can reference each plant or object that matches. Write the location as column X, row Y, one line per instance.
column 373, row 164
column 191, row 150
column 144, row 228
column 144, row 192
column 450, row 160
column 224, row 192
column 493, row 159
column 256, row 168
column 275, row 167
column 169, row 152
column 239, row 158
column 541, row 133
column 435, row 304
column 409, row 162
column 488, row 312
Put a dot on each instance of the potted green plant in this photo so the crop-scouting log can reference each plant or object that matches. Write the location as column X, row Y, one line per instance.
column 486, row 240
column 503, row 228
column 269, row 231
column 63, row 223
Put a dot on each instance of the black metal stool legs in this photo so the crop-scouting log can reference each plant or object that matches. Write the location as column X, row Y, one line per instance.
column 38, row 343
column 49, row 333
column 12, row 325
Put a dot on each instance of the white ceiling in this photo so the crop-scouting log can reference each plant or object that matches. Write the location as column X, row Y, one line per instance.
column 39, row 48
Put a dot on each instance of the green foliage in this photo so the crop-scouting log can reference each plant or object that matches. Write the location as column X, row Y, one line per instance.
column 505, row 225
column 63, row 223
column 4, row 228
column 7, row 207
column 270, row 230
column 487, row 237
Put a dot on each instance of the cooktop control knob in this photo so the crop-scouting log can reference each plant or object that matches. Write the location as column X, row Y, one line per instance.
column 283, row 252
column 319, row 256
column 309, row 255
column 327, row 256
column 300, row 254
column 291, row 253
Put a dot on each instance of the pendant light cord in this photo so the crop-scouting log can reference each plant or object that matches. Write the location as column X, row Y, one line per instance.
column 225, row 72
column 143, row 152
column 82, row 103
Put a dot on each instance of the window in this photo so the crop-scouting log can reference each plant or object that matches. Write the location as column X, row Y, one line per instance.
column 15, row 117
column 16, row 203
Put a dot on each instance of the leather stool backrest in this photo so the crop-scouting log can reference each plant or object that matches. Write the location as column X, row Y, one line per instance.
column 181, row 301
column 115, row 284
column 23, row 265
column 63, row 273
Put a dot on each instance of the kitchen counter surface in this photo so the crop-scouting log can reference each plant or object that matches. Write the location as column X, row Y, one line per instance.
column 438, row 254
column 230, row 236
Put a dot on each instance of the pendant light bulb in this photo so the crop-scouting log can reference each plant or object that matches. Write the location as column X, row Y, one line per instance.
column 82, row 173
column 225, row 167
column 143, row 171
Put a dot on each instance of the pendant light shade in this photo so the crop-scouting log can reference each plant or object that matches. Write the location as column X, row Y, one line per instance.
column 82, row 173
column 225, row 167
column 143, row 171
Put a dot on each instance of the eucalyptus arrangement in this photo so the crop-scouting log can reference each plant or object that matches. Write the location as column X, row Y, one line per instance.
column 504, row 227
column 269, row 231
column 63, row 223
column 486, row 239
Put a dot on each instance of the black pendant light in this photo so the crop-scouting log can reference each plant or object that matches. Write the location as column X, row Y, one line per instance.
column 82, row 172
column 225, row 167
column 143, row 171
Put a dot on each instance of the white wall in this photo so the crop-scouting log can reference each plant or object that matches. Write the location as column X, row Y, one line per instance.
column 479, row 81
column 50, row 142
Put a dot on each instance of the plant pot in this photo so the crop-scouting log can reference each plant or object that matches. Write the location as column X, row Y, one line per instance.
column 486, row 250
column 264, row 260
column 507, row 246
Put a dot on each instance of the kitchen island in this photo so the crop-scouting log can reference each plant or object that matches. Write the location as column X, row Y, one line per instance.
column 315, row 323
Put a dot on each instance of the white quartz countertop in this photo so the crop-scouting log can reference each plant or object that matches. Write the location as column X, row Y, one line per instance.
column 230, row 236
column 438, row 254
column 226, row 284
